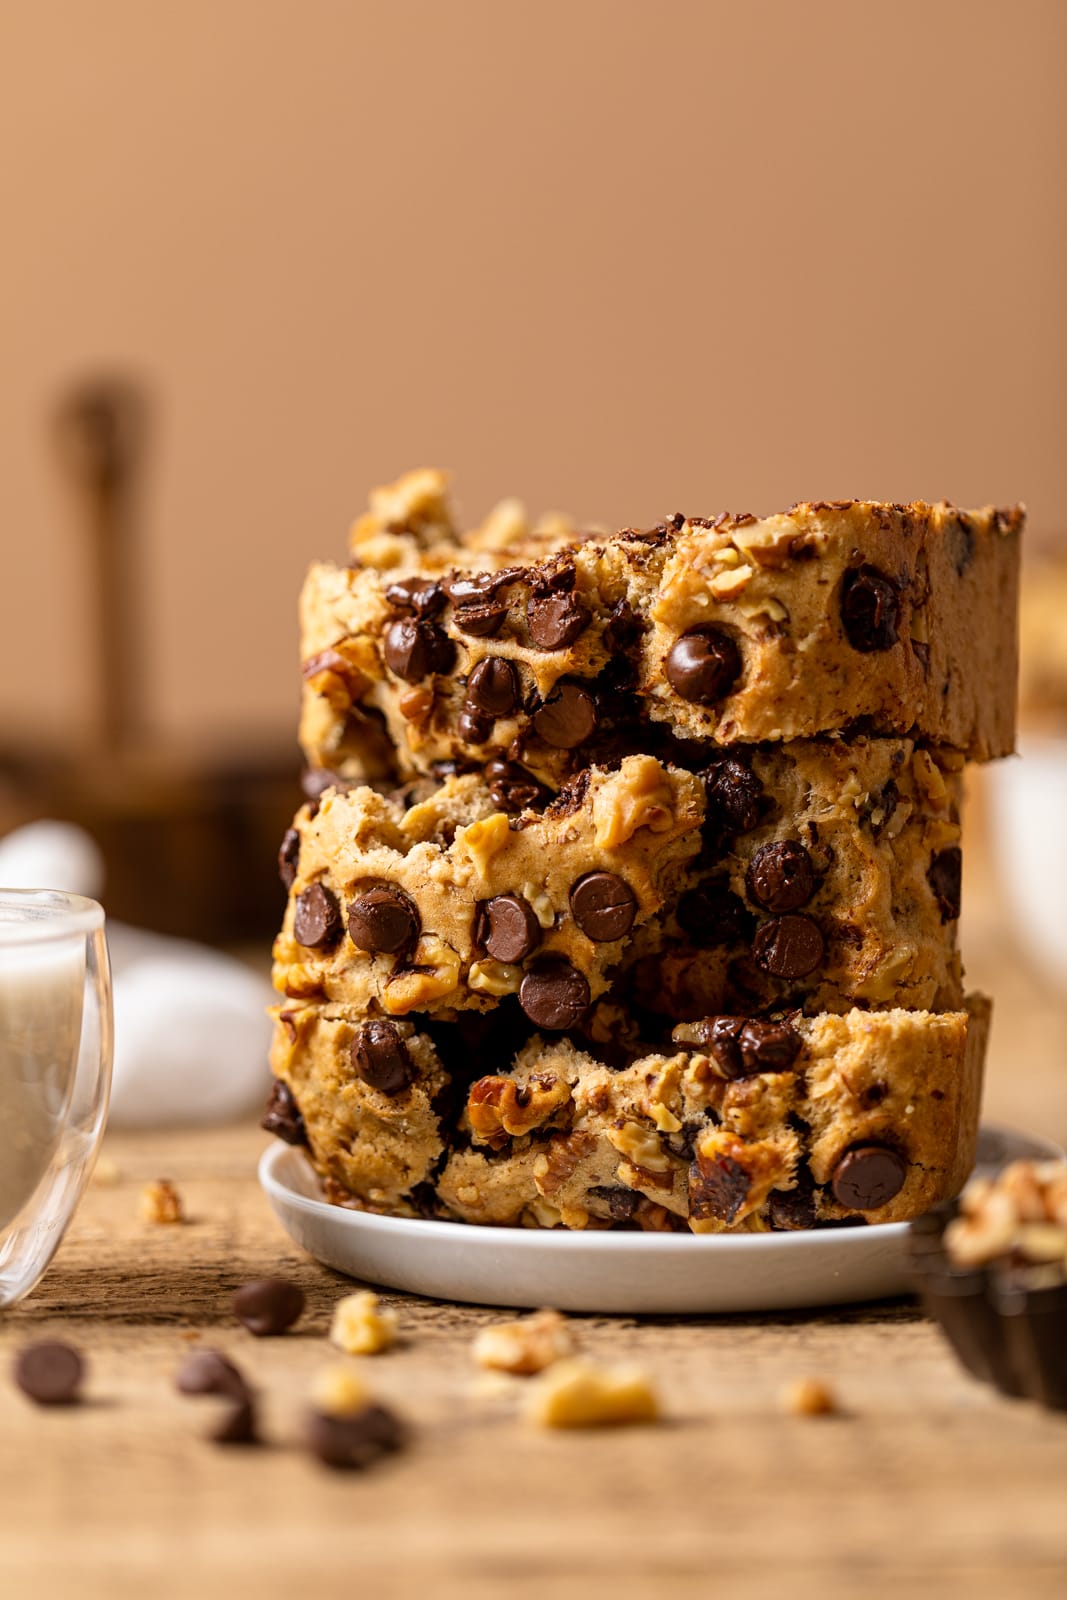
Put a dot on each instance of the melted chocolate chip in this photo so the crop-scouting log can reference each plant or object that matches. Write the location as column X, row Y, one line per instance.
column 317, row 918
column 868, row 1177
column 268, row 1306
column 282, row 1116
column 734, row 795
column 383, row 921
column 493, row 686
column 944, row 878
column 381, row 1059
column 742, row 1048
column 50, row 1373
column 477, row 610
column 511, row 930
column 621, row 1203
column 415, row 649
column 473, row 726
column 556, row 621
column 780, row 876
column 623, row 630
column 703, row 665
column 870, row 609
column 604, row 906
column 554, row 995
column 791, row 1209
column 571, row 797
column 289, row 858
column 237, row 1425
column 567, row 717
column 421, row 596
column 789, row 946
column 511, row 787
column 718, row 1188
column 712, row 915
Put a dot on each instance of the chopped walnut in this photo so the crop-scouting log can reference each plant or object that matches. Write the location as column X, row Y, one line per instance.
column 578, row 1394
column 415, row 704
column 483, row 840
column 560, row 1158
column 638, row 797
column 500, row 1106
column 640, row 1146
column 434, row 972
column 339, row 1392
column 809, row 1397
column 359, row 1328
column 494, row 977
column 525, row 1346
column 1022, row 1213
column 161, row 1203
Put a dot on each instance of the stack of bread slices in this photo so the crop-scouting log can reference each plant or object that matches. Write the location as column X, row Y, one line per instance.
column 626, row 890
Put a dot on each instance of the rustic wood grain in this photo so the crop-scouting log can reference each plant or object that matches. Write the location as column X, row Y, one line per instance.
column 929, row 1484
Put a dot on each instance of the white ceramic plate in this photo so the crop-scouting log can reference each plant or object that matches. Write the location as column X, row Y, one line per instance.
column 605, row 1272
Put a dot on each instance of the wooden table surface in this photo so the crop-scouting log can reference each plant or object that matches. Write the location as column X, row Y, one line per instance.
column 928, row 1480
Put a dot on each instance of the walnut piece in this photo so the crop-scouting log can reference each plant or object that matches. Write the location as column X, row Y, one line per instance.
column 809, row 1397
column 434, row 972
column 1022, row 1213
column 525, row 1346
column 359, row 1328
column 499, row 1106
column 339, row 1391
column 638, row 797
column 161, row 1203
column 579, row 1394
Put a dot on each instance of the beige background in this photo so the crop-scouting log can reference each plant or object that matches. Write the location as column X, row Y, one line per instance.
column 621, row 258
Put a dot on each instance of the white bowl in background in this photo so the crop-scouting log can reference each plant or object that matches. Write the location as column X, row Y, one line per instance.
column 1028, row 819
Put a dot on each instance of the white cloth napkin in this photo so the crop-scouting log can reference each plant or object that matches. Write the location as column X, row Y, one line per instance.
column 191, row 1032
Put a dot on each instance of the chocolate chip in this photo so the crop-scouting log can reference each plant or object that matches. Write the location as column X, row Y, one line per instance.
column 712, row 915
column 780, row 876
column 791, row 1209
column 50, row 1373
column 422, row 596
column 473, row 726
column 381, row 1058
column 477, row 610
column 282, row 1116
column 554, row 995
column 870, row 609
column 878, row 808
column 355, row 1441
column 268, row 1306
column 415, row 649
column 237, row 1425
column 383, row 921
column 944, row 878
column 621, row 1203
column 317, row 918
column 703, row 665
column 511, row 787
column 868, row 1177
column 567, row 717
column 511, row 929
column 571, row 797
column 789, row 946
column 623, row 629
column 734, row 795
column 493, row 686
column 604, row 906
column 556, row 621
column 289, row 857
column 742, row 1048
column 718, row 1188
column 210, row 1372
column 314, row 782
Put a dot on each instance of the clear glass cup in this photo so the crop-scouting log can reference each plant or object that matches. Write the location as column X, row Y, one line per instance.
column 55, row 1071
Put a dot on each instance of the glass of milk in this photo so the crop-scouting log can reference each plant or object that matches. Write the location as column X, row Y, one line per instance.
column 55, row 1071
